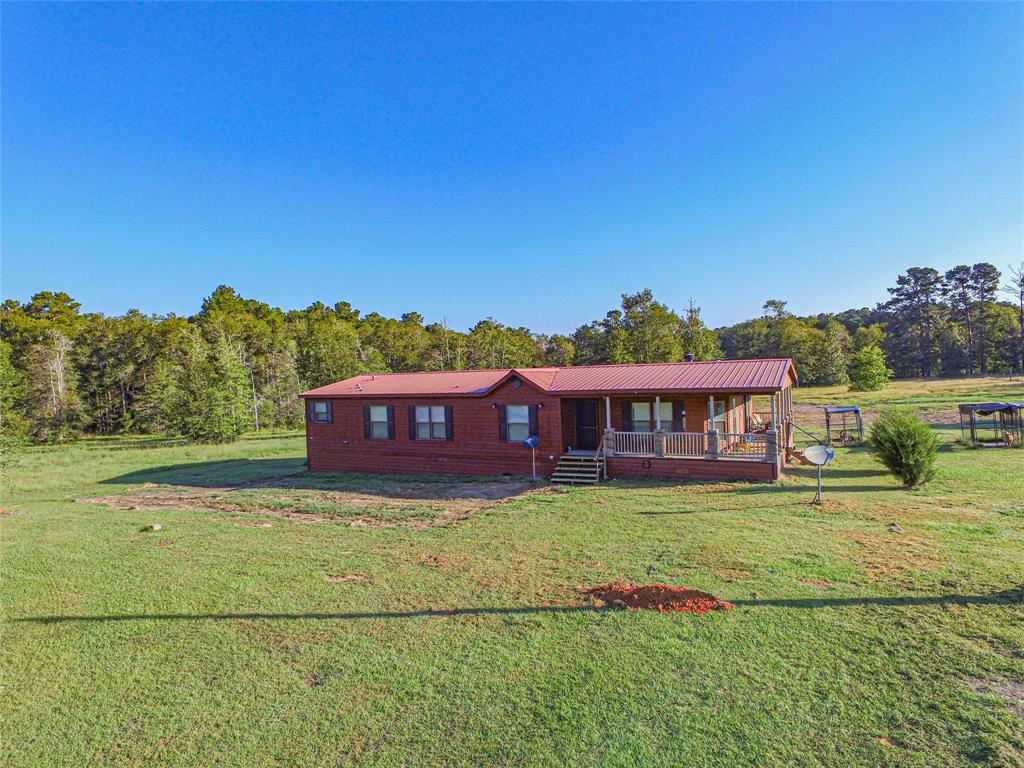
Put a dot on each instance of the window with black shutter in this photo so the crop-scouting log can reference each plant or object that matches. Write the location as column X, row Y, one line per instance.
column 517, row 418
column 379, row 422
column 321, row 412
column 430, row 422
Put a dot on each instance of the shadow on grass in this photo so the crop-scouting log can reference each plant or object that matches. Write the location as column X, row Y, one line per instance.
column 214, row 474
column 1007, row 596
column 745, row 508
column 235, row 474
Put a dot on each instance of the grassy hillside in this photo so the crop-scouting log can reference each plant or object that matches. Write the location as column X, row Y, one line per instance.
column 279, row 618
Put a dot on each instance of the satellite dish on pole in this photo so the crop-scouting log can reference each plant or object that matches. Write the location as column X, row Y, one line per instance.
column 532, row 442
column 819, row 455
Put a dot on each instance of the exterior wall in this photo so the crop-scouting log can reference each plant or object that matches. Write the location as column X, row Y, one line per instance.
column 474, row 450
column 692, row 469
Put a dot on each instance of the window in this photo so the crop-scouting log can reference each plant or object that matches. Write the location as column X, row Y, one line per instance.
column 642, row 417
column 320, row 412
column 518, row 417
column 430, row 422
column 719, row 421
column 379, row 422
column 666, row 416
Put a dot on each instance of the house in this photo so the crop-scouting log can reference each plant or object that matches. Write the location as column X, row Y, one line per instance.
column 723, row 419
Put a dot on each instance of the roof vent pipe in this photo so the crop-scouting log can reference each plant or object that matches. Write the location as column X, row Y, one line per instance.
column 689, row 357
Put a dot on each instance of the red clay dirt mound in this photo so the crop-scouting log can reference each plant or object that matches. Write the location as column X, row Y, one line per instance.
column 659, row 597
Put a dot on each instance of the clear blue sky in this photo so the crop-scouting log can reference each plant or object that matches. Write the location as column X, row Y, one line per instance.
column 529, row 162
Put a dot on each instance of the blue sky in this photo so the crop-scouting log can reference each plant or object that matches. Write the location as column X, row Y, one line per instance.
column 527, row 162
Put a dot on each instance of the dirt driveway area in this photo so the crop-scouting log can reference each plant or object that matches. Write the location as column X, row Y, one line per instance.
column 311, row 498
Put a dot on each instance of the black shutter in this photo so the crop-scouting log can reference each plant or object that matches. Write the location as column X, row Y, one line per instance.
column 502, row 423
column 627, row 416
column 309, row 411
column 391, row 422
column 534, row 430
column 366, row 422
column 449, row 430
column 412, row 422
column 330, row 411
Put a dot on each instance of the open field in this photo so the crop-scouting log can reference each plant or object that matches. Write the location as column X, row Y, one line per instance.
column 282, row 618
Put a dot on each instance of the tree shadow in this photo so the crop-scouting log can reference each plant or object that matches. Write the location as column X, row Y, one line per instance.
column 1004, row 597
column 225, row 473
column 291, row 473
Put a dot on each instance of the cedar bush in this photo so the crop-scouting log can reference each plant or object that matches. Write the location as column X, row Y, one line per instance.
column 905, row 445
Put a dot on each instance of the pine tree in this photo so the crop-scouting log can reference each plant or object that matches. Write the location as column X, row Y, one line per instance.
column 696, row 338
column 831, row 359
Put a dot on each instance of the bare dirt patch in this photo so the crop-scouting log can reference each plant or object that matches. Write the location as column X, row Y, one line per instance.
column 888, row 553
column 419, row 505
column 1010, row 691
column 348, row 578
column 658, row 597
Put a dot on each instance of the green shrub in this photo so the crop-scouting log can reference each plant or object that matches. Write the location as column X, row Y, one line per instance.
column 906, row 446
column 869, row 371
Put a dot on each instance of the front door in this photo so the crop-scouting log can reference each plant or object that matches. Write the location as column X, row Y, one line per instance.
column 586, row 425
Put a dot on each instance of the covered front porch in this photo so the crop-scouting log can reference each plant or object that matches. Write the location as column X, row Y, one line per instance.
column 747, row 427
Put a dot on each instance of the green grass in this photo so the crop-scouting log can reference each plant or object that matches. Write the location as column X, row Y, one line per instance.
column 931, row 397
column 415, row 641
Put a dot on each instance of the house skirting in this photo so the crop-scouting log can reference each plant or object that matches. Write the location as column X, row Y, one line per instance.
column 691, row 469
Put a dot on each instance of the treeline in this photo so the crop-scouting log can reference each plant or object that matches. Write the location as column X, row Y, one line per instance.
column 239, row 363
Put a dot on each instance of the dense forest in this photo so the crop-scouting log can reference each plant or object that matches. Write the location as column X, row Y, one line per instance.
column 239, row 363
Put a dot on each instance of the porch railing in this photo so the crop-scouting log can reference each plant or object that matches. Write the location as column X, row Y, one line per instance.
column 634, row 443
column 743, row 445
column 686, row 443
column 710, row 445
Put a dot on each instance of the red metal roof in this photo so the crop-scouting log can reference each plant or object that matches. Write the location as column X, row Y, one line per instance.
column 706, row 376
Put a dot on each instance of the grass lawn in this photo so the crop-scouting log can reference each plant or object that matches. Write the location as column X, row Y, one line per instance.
column 279, row 618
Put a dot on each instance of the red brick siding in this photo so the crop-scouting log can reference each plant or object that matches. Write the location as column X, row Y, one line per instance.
column 691, row 469
column 475, row 449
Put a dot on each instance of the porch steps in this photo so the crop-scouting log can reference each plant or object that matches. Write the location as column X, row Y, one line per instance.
column 578, row 469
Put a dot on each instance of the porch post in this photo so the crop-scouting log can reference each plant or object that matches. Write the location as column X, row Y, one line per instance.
column 609, row 433
column 774, row 423
column 771, row 447
column 712, row 432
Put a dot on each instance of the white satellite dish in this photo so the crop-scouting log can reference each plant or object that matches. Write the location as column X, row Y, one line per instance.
column 819, row 454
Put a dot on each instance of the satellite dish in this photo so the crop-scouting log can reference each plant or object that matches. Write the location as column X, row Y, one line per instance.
column 819, row 454
column 531, row 443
